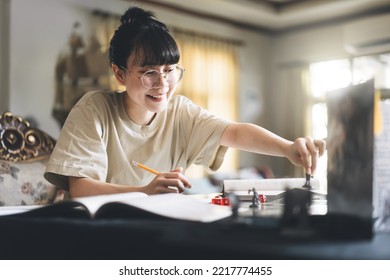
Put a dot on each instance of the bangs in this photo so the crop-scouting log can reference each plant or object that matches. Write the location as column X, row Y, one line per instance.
column 155, row 47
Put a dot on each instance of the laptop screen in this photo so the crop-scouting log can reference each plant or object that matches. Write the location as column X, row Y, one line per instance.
column 350, row 150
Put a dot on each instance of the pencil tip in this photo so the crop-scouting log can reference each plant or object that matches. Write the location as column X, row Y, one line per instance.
column 134, row 163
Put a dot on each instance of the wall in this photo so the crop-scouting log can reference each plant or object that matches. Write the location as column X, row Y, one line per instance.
column 39, row 32
column 4, row 55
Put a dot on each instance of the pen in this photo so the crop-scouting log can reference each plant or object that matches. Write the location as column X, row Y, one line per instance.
column 144, row 167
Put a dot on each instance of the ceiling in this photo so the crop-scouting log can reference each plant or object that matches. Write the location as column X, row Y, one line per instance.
column 274, row 15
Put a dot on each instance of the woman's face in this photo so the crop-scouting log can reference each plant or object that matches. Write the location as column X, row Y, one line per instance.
column 142, row 100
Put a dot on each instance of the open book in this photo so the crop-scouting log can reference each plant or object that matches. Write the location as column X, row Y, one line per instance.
column 136, row 205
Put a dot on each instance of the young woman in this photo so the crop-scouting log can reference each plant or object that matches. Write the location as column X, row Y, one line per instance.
column 147, row 123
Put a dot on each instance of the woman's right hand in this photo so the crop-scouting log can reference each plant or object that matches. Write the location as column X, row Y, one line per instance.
column 168, row 182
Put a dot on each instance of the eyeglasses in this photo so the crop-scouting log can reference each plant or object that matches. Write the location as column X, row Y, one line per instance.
column 151, row 78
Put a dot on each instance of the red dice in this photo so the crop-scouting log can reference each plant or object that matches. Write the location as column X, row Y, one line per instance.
column 262, row 198
column 218, row 200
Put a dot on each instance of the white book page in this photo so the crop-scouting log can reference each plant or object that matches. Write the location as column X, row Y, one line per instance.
column 10, row 210
column 177, row 206
column 183, row 207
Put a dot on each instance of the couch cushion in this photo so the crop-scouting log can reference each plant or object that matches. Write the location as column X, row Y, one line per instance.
column 22, row 183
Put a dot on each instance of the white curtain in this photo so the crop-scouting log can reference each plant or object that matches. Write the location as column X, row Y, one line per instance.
column 211, row 81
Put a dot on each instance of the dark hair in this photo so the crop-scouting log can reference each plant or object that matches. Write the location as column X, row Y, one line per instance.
column 143, row 37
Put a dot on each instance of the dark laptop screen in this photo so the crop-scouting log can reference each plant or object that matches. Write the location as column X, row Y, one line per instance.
column 350, row 150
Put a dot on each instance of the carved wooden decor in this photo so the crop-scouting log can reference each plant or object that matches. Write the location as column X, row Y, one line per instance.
column 20, row 142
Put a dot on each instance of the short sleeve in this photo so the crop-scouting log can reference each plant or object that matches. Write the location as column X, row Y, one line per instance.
column 80, row 150
column 203, row 131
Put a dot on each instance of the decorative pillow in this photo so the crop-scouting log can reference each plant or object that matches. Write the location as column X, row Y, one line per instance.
column 22, row 183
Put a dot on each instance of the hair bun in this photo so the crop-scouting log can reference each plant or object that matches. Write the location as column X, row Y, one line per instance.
column 136, row 14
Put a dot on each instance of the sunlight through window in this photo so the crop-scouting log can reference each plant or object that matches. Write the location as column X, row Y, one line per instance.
column 325, row 76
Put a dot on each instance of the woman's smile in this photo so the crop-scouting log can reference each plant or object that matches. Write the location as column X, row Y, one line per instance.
column 156, row 97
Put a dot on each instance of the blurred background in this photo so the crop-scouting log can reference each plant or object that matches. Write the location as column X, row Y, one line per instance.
column 268, row 62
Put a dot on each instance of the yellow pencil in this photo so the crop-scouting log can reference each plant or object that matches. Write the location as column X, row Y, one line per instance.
column 144, row 167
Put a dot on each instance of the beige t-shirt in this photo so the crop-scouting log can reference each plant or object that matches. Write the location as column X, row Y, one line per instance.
column 99, row 141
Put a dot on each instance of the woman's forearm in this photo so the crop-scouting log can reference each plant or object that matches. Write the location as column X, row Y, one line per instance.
column 79, row 187
column 253, row 138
